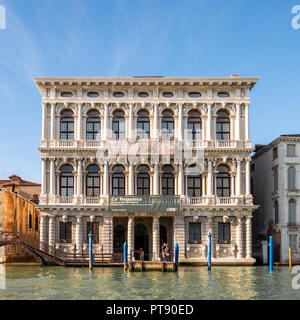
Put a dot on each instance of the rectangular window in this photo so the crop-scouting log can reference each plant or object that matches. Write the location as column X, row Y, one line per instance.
column 291, row 150
column 36, row 223
column 275, row 153
column 224, row 233
column 275, row 177
column 293, row 242
column 94, row 228
column 30, row 221
column 65, row 232
column 194, row 232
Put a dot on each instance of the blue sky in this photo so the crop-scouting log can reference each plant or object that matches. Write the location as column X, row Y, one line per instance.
column 139, row 37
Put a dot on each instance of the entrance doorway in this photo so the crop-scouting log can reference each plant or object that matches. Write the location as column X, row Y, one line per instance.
column 163, row 235
column 141, row 241
column 119, row 238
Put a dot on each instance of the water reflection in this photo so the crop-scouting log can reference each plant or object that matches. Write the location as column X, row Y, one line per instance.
column 35, row 282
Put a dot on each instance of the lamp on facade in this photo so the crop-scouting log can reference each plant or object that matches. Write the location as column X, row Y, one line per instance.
column 64, row 218
column 92, row 218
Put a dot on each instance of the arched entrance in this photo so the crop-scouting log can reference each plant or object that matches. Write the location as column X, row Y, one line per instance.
column 163, row 235
column 141, row 240
column 119, row 238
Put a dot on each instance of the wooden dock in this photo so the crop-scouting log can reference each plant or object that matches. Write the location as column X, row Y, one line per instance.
column 151, row 266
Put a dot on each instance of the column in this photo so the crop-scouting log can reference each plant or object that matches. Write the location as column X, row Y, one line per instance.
column 51, row 232
column 79, row 122
column 78, row 238
column 155, row 120
column 180, row 180
column 247, row 122
column 44, row 120
column 52, row 176
column 247, row 177
column 204, row 190
column 130, row 237
column 107, row 235
column 44, row 176
column 209, row 122
column 52, row 123
column 155, row 237
column 248, row 238
column 237, row 122
column 43, row 231
column 238, row 178
column 239, row 238
column 180, row 121
column 130, row 121
column 79, row 178
column 105, row 123
column 105, row 180
column 232, row 185
column 209, row 179
column 156, row 180
column 179, row 235
column 131, row 180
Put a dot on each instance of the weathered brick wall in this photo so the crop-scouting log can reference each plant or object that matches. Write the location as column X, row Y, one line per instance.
column 14, row 214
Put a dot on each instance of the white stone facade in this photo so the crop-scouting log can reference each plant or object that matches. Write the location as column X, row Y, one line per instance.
column 223, row 203
column 275, row 179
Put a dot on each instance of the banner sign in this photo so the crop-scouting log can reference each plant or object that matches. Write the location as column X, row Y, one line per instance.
column 144, row 203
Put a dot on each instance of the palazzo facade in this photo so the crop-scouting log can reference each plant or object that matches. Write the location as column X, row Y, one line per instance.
column 147, row 160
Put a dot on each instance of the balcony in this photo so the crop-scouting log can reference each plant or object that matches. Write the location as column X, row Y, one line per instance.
column 147, row 145
column 214, row 201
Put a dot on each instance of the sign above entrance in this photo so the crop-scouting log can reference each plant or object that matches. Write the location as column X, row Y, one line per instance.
column 144, row 203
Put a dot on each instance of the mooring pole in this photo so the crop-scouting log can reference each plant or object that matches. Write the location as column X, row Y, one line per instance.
column 271, row 254
column 176, row 256
column 91, row 251
column 290, row 258
column 209, row 252
column 125, row 255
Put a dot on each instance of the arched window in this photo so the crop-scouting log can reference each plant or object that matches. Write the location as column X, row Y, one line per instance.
column 118, row 124
column 118, row 181
column 194, row 183
column 223, row 125
column 93, row 181
column 93, row 125
column 67, row 125
column 194, row 125
column 291, row 178
column 143, row 125
column 66, row 181
column 143, row 180
column 223, row 181
column 167, row 180
column 167, row 125
column 276, row 216
column 292, row 212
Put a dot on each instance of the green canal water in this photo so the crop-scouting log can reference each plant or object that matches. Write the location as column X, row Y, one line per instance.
column 63, row 283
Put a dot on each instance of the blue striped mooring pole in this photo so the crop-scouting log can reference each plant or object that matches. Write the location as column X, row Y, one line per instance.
column 125, row 255
column 271, row 254
column 209, row 252
column 176, row 254
column 91, row 251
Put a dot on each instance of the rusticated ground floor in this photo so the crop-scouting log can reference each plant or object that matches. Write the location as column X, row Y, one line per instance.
column 147, row 232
